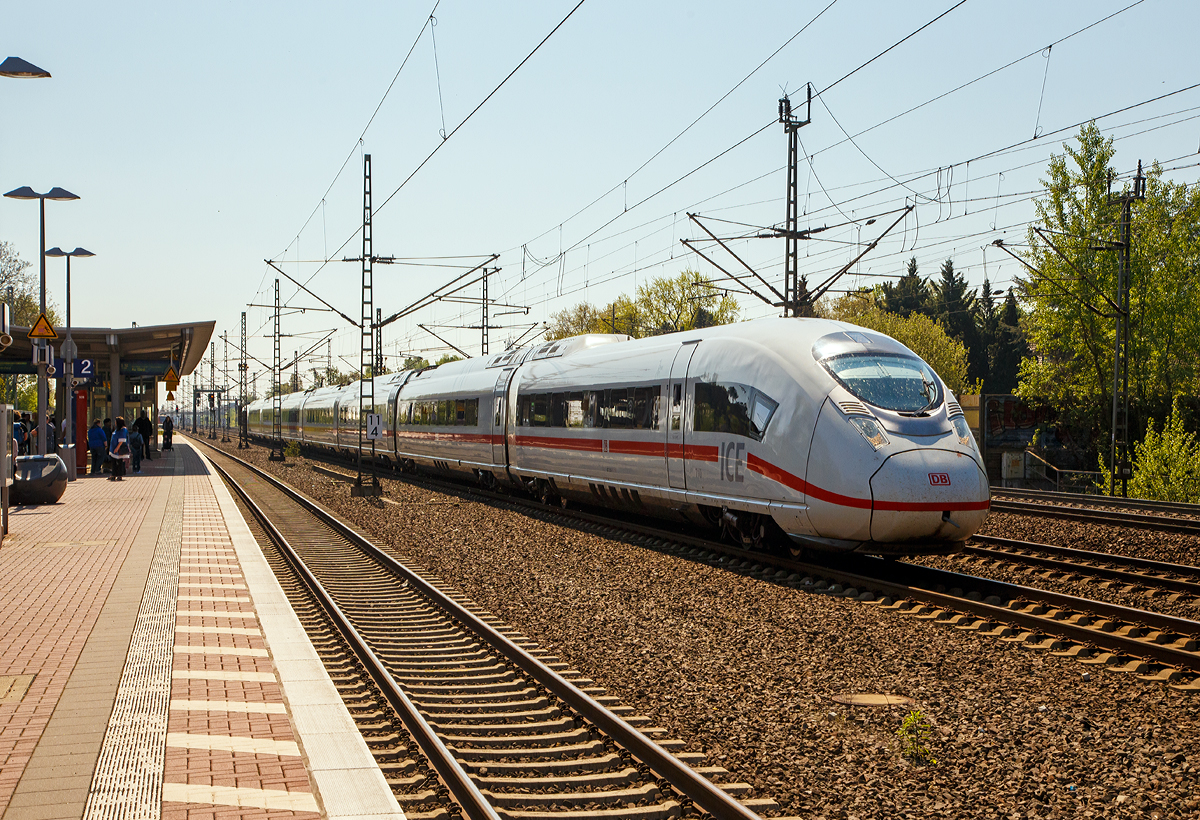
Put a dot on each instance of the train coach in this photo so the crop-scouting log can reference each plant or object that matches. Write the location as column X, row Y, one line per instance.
column 813, row 432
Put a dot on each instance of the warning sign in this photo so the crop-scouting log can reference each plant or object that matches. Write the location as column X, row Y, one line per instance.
column 42, row 329
column 171, row 375
column 170, row 395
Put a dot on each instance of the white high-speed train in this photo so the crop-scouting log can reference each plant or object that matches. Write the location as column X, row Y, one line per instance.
column 836, row 436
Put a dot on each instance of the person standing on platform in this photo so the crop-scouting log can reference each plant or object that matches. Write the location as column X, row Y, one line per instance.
column 168, row 430
column 21, row 435
column 97, row 442
column 119, row 450
column 108, row 431
column 146, row 431
column 137, row 446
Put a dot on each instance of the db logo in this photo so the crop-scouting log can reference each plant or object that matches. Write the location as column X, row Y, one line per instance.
column 939, row 479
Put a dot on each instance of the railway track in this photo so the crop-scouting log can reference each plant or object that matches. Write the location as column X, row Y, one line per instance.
column 502, row 729
column 1115, row 502
column 1149, row 645
column 1137, row 574
column 1151, row 515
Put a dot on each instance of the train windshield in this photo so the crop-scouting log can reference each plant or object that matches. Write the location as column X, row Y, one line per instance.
column 904, row 384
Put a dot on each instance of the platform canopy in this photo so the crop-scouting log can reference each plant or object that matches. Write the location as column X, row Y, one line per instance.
column 155, row 346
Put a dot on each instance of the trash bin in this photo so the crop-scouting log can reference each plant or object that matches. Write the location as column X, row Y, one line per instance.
column 67, row 452
column 39, row 480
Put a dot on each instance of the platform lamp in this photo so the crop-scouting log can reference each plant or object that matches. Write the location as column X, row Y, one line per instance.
column 69, row 352
column 59, row 195
column 16, row 67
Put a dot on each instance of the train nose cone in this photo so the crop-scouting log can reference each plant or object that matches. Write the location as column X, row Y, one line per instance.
column 928, row 494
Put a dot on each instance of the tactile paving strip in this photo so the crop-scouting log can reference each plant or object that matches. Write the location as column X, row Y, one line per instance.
column 128, row 781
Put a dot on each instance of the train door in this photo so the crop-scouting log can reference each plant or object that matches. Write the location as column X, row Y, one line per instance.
column 498, row 414
column 677, row 415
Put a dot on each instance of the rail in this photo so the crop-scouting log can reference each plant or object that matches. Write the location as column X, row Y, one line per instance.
column 701, row 791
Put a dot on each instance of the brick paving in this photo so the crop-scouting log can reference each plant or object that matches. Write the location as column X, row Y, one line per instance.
column 72, row 578
column 57, row 569
column 214, row 641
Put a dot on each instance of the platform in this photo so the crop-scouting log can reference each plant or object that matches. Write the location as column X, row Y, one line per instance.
column 151, row 666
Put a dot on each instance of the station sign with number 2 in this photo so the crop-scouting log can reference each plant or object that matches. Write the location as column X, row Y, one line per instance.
column 374, row 426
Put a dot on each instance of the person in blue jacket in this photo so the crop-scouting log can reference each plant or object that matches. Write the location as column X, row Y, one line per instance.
column 97, row 442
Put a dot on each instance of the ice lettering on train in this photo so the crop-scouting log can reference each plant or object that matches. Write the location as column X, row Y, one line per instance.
column 731, row 460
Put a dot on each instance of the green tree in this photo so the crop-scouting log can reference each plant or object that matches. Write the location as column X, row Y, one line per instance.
column 1008, row 348
column 909, row 295
column 1072, row 365
column 415, row 363
column 956, row 309
column 685, row 302
column 920, row 334
column 663, row 305
column 447, row 358
column 575, row 321
column 24, row 308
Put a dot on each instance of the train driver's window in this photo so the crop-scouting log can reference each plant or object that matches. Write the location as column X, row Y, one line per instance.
column 732, row 408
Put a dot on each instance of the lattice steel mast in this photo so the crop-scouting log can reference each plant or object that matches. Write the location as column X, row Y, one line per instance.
column 242, row 415
column 276, row 453
column 796, row 302
column 366, row 385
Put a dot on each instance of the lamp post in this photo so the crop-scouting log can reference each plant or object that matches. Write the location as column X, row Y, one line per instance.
column 59, row 195
column 69, row 352
column 16, row 67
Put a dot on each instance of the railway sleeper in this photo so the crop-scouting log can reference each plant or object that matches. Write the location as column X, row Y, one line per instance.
column 475, row 677
column 436, row 814
column 451, row 705
column 647, row 791
column 511, row 729
column 574, row 737
column 662, row 811
column 545, row 767
column 442, row 650
column 425, row 797
column 599, row 780
column 466, row 689
column 1165, row 674
column 533, row 715
column 479, row 661
column 572, row 750
column 396, row 768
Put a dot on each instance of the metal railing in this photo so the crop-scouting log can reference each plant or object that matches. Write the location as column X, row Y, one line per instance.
column 1066, row 481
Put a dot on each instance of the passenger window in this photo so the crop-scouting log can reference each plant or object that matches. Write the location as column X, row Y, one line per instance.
column 575, row 409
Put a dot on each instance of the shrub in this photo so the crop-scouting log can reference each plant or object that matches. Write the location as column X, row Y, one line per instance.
column 1166, row 463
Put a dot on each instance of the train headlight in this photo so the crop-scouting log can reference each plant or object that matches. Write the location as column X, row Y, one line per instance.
column 963, row 431
column 870, row 430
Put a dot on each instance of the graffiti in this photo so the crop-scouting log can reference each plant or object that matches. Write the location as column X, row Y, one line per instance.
column 1010, row 422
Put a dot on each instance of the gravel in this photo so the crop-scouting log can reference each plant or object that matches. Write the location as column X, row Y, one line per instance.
column 746, row 671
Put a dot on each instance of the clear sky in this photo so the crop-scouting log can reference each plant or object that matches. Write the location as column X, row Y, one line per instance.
column 205, row 138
